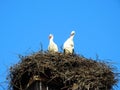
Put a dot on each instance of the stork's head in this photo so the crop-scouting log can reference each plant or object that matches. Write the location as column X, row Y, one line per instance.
column 50, row 36
column 72, row 33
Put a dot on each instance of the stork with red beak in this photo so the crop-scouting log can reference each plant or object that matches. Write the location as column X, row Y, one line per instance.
column 52, row 47
column 68, row 46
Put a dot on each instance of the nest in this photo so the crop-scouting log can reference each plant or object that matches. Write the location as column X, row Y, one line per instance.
column 65, row 72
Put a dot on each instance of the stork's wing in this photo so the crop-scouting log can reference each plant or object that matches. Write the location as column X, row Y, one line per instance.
column 72, row 45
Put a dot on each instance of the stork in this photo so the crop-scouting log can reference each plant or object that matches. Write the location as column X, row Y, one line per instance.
column 68, row 45
column 52, row 47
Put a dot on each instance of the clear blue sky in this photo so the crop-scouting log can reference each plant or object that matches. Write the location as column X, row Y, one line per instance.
column 24, row 24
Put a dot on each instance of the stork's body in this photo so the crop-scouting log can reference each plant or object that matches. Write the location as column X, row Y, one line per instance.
column 52, row 47
column 68, row 46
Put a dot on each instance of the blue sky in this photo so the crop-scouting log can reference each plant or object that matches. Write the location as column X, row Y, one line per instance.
column 25, row 24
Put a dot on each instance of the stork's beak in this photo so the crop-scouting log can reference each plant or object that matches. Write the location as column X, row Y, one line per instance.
column 72, row 33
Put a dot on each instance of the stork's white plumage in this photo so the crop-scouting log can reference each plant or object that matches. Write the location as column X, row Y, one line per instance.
column 68, row 46
column 52, row 47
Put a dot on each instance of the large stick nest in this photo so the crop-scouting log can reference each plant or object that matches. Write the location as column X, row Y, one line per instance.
column 62, row 71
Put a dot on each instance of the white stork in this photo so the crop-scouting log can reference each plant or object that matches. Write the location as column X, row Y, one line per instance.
column 52, row 47
column 68, row 46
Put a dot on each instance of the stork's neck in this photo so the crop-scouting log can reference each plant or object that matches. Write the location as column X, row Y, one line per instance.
column 51, row 40
column 71, row 37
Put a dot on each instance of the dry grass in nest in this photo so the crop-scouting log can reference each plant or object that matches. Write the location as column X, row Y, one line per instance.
column 62, row 71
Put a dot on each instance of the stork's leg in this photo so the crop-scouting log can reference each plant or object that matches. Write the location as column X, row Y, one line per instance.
column 47, row 88
column 40, row 85
column 64, row 51
column 73, row 51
